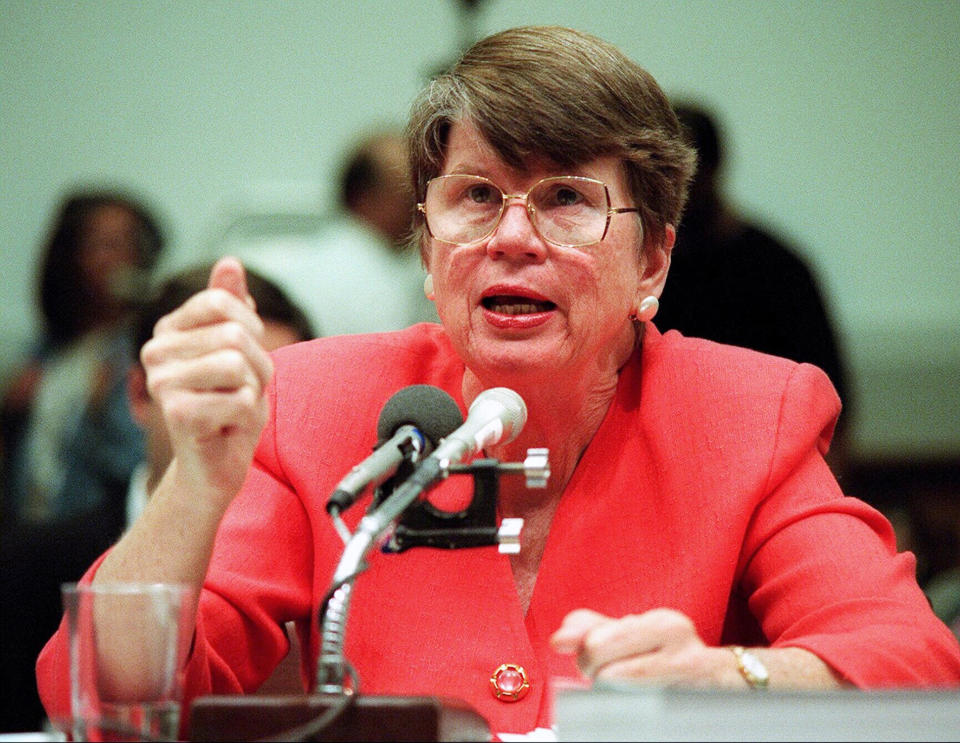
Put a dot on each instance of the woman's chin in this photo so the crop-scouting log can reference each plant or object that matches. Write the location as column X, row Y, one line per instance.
column 519, row 356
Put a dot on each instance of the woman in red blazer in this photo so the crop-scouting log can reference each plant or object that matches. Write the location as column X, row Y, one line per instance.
column 689, row 512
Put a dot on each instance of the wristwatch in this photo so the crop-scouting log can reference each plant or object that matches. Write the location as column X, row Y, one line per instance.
column 751, row 667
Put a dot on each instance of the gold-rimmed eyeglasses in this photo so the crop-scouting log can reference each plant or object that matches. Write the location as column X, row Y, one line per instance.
column 567, row 211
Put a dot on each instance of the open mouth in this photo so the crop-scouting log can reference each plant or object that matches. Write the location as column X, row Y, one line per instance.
column 505, row 304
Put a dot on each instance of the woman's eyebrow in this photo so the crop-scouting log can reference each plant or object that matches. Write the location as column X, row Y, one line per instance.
column 466, row 168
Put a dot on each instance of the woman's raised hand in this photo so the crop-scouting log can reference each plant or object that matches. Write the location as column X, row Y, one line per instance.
column 207, row 370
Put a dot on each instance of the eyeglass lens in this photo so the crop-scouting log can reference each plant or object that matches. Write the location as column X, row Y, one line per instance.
column 568, row 211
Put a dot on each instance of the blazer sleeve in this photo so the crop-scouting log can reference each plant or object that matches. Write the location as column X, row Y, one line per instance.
column 821, row 571
column 260, row 576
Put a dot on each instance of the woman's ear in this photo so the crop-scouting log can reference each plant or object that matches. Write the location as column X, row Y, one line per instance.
column 425, row 257
column 656, row 264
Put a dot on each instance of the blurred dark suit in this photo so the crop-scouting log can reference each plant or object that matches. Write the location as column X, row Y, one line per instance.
column 35, row 558
column 733, row 282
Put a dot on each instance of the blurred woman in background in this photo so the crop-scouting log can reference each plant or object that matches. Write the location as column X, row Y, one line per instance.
column 68, row 439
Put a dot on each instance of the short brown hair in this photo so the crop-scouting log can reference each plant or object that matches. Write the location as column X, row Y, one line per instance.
column 566, row 95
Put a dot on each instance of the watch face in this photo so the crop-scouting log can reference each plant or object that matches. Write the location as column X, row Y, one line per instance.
column 751, row 667
column 755, row 667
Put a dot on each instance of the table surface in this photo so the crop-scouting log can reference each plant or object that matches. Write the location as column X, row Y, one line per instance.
column 637, row 713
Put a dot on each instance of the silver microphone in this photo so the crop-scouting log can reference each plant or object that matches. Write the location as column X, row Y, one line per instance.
column 496, row 416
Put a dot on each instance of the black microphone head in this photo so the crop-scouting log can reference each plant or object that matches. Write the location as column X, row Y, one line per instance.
column 431, row 410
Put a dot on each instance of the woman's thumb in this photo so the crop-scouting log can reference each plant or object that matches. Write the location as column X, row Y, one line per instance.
column 228, row 273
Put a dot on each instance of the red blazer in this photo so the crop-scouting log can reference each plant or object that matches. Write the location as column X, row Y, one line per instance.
column 704, row 490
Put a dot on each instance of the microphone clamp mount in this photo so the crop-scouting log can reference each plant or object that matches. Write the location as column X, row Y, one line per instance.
column 424, row 525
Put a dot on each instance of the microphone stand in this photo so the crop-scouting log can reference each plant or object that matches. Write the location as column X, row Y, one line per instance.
column 473, row 527
column 337, row 711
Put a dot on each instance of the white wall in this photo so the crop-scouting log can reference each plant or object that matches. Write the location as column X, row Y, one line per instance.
column 843, row 120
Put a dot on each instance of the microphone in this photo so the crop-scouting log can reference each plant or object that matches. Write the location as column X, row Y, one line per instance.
column 496, row 416
column 413, row 419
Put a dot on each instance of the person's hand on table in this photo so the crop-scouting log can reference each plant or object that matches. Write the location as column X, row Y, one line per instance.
column 661, row 645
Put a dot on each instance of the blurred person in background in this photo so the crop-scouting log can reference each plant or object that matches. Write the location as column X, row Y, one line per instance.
column 732, row 281
column 358, row 273
column 69, row 442
column 68, row 439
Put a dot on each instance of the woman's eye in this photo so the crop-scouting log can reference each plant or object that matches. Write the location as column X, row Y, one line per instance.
column 566, row 196
column 561, row 195
column 480, row 194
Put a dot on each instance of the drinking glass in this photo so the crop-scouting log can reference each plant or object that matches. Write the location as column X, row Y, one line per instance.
column 128, row 646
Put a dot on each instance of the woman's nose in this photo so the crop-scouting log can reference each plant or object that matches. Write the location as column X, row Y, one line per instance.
column 515, row 235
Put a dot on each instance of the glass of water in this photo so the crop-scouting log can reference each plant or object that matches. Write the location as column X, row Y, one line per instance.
column 128, row 646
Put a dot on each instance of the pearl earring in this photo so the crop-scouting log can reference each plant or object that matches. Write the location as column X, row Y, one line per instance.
column 648, row 308
column 428, row 287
